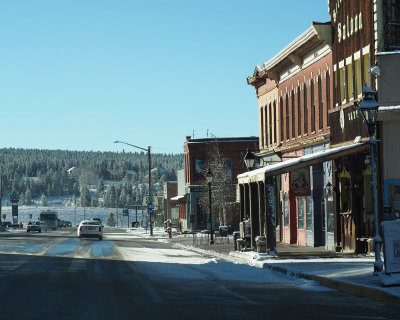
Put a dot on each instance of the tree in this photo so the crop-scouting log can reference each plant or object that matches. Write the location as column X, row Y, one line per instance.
column 28, row 197
column 111, row 221
column 85, row 197
column 222, row 186
column 43, row 201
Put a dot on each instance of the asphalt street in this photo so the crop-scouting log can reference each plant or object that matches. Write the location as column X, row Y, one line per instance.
column 53, row 275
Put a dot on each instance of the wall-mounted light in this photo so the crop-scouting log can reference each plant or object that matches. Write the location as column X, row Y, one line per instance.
column 328, row 188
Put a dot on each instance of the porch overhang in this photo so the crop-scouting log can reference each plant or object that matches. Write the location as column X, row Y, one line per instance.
column 260, row 174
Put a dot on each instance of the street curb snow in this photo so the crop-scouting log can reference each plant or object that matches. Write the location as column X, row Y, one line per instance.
column 343, row 286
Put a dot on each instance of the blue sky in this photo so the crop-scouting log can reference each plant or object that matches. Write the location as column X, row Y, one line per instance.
column 80, row 74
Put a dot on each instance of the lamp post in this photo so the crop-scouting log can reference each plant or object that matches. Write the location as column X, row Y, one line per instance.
column 150, row 186
column 209, row 177
column 249, row 159
column 369, row 112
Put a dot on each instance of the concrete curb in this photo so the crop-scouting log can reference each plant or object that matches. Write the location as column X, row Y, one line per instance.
column 343, row 286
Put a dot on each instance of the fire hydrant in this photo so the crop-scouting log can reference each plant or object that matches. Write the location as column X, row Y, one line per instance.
column 169, row 230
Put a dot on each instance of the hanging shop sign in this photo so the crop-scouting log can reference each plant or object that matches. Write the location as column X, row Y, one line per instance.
column 300, row 182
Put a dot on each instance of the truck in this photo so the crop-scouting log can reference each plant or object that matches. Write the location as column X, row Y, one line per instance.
column 50, row 218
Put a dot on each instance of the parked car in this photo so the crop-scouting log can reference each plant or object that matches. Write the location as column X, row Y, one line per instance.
column 90, row 229
column 38, row 226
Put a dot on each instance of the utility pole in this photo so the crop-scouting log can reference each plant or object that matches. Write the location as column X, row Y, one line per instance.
column 150, row 190
column 150, row 186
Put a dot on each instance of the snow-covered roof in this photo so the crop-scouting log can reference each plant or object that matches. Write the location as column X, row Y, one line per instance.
column 177, row 198
column 389, row 108
column 132, row 172
column 71, row 169
column 111, row 171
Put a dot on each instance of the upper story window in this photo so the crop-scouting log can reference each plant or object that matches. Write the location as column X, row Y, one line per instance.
column 227, row 167
column 320, row 104
column 312, row 88
column 198, row 167
column 350, row 88
column 357, row 77
column 305, row 103
column 270, row 123
column 342, row 81
column 274, row 105
column 281, row 118
column 293, row 115
column 287, row 116
column 328, row 94
column 298, row 111
column 262, row 127
column 367, row 65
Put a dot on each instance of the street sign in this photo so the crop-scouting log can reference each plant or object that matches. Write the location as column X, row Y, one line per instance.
column 125, row 212
column 150, row 211
column 14, row 197
column 148, row 200
column 14, row 210
column 150, row 206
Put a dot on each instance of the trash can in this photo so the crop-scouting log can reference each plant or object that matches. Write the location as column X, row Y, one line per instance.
column 236, row 235
column 223, row 231
column 261, row 244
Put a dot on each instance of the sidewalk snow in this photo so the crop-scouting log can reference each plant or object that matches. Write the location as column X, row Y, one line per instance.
column 353, row 275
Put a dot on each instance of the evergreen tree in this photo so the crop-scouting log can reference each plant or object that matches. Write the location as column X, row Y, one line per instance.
column 43, row 201
column 28, row 197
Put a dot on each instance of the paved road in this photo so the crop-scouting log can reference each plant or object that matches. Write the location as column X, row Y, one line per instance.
column 53, row 275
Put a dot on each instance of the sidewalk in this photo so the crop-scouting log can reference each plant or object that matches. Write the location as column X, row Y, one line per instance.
column 349, row 273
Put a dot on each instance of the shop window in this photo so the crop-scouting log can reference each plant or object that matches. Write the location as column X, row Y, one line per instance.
column 330, row 215
column 309, row 219
column 300, row 212
column 286, row 209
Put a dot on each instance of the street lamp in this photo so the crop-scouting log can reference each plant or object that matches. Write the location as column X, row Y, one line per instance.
column 369, row 112
column 209, row 177
column 150, row 186
column 249, row 159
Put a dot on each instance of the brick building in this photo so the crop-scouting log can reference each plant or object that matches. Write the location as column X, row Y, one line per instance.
column 200, row 154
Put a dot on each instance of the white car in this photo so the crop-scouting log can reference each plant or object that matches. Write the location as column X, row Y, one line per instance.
column 90, row 229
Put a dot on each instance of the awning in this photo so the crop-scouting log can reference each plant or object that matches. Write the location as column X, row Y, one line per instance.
column 300, row 162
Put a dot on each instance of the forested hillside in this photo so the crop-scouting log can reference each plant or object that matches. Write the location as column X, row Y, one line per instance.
column 94, row 177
